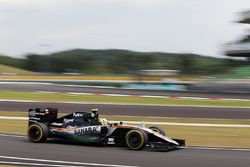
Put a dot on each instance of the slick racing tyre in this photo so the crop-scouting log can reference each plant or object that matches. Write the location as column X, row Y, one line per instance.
column 38, row 132
column 158, row 130
column 136, row 139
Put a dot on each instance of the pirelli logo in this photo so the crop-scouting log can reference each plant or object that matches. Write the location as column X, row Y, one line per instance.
column 87, row 130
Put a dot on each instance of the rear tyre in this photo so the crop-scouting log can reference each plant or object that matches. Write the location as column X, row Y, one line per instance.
column 38, row 132
column 136, row 139
column 158, row 130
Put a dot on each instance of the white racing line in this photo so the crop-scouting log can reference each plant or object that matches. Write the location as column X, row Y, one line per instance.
column 156, row 123
column 14, row 136
column 14, row 118
column 190, row 124
column 56, row 163
column 182, row 147
column 34, row 164
column 216, row 148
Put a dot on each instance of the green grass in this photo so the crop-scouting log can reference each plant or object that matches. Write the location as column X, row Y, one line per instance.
column 238, row 72
column 178, row 120
column 211, row 136
column 61, row 97
column 194, row 136
column 18, row 127
column 9, row 69
column 148, row 119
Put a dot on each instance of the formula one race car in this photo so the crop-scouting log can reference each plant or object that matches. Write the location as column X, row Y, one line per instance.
column 87, row 127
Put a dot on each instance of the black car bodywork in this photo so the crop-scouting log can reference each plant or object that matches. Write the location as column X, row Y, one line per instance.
column 86, row 127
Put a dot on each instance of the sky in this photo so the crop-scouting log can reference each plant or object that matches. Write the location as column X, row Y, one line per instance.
column 180, row 26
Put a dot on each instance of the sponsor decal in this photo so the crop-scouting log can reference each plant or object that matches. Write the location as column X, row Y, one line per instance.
column 40, row 113
column 87, row 130
column 71, row 126
column 77, row 115
column 111, row 141
column 68, row 120
column 35, row 118
column 56, row 124
column 32, row 113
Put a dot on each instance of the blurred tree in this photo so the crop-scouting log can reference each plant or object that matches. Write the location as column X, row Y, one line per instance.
column 124, row 62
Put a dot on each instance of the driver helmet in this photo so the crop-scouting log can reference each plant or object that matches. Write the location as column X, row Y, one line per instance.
column 103, row 121
column 94, row 113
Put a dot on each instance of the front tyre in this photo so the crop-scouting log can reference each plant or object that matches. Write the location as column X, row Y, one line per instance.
column 38, row 132
column 136, row 139
column 158, row 130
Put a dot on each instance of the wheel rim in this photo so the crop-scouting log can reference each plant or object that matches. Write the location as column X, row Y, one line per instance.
column 35, row 133
column 134, row 140
column 155, row 130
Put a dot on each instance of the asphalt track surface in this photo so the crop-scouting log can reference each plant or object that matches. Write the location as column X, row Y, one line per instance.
column 135, row 110
column 96, row 156
column 61, row 88
column 114, row 156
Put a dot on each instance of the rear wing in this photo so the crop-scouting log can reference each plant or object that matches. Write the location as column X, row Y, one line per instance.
column 42, row 115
